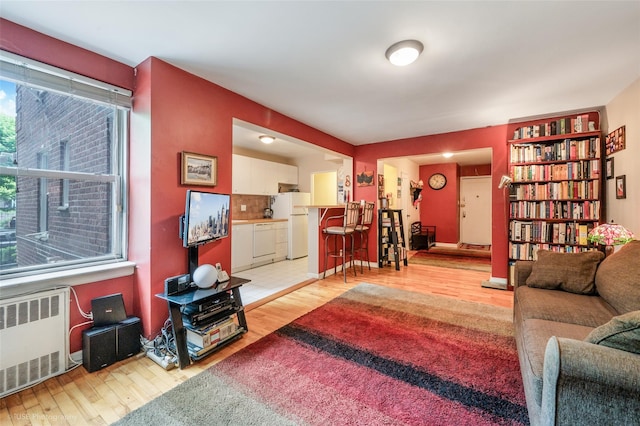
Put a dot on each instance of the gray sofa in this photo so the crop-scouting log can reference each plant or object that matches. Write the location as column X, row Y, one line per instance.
column 577, row 325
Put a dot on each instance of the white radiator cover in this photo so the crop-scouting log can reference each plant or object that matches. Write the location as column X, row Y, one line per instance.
column 33, row 338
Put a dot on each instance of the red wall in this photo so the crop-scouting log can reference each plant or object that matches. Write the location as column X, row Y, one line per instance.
column 172, row 111
column 439, row 208
column 175, row 111
column 475, row 170
column 23, row 41
column 487, row 137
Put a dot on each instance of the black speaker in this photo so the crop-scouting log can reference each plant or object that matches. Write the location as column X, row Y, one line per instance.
column 128, row 338
column 98, row 347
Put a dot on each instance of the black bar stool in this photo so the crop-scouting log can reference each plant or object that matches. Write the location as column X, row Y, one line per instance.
column 347, row 228
column 362, row 230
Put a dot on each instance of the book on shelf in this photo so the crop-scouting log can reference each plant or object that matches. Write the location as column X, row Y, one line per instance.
column 212, row 334
column 196, row 351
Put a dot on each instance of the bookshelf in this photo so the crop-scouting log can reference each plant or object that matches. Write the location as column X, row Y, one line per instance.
column 391, row 246
column 556, row 194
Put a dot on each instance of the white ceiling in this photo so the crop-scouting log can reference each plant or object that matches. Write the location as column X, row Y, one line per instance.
column 323, row 63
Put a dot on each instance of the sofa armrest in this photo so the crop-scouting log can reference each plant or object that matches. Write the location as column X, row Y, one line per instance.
column 522, row 272
column 589, row 384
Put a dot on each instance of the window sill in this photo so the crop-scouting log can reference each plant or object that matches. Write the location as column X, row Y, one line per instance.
column 33, row 283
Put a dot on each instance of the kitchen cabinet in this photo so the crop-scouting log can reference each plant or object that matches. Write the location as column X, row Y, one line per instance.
column 282, row 240
column 260, row 177
column 240, row 174
column 241, row 247
column 263, row 177
column 287, row 174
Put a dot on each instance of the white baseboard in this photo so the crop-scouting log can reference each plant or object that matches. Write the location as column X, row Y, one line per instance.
column 494, row 282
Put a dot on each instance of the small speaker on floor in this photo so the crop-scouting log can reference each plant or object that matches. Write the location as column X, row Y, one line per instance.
column 128, row 338
column 98, row 347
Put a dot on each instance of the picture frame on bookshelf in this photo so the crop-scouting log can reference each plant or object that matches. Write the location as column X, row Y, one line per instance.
column 616, row 140
column 621, row 186
column 610, row 168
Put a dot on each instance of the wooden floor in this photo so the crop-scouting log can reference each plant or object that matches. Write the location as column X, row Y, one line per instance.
column 102, row 397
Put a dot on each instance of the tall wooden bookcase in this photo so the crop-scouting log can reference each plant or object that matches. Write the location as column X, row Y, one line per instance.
column 556, row 195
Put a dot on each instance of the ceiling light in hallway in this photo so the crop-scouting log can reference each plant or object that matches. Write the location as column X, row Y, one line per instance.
column 266, row 139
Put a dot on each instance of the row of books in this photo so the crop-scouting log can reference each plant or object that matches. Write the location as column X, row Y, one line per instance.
column 565, row 190
column 552, row 233
column 574, row 210
column 569, row 149
column 202, row 339
column 561, row 126
column 585, row 169
column 528, row 251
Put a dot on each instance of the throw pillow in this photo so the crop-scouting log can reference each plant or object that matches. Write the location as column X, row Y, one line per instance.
column 622, row 332
column 572, row 272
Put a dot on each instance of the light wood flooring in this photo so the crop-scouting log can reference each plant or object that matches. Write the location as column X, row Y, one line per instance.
column 102, row 397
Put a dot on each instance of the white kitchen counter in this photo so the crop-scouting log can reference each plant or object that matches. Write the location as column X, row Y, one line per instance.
column 252, row 221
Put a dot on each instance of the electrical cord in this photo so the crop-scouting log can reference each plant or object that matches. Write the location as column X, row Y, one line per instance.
column 163, row 345
column 88, row 315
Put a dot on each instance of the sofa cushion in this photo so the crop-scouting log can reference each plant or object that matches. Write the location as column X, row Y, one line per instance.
column 572, row 272
column 622, row 332
column 534, row 336
column 618, row 278
column 561, row 306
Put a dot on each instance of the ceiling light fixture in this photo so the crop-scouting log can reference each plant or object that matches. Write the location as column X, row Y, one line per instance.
column 404, row 52
column 266, row 139
column 447, row 154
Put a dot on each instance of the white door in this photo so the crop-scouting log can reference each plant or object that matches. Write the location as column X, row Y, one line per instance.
column 475, row 210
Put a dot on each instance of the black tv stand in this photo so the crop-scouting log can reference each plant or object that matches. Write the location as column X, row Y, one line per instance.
column 177, row 301
column 192, row 258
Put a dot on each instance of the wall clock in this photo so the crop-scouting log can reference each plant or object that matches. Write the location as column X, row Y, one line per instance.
column 437, row 181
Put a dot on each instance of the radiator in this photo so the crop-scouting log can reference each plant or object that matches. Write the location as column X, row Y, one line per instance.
column 33, row 338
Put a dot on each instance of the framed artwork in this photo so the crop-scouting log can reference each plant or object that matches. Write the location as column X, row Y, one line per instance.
column 621, row 186
column 610, row 168
column 365, row 178
column 616, row 140
column 198, row 169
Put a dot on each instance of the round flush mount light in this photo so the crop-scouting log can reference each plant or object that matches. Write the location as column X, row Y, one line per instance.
column 404, row 52
column 447, row 154
column 266, row 139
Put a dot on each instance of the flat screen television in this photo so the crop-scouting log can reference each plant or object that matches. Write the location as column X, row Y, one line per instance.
column 206, row 218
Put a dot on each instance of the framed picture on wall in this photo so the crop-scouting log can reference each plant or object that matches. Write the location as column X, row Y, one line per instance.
column 621, row 186
column 198, row 169
column 610, row 168
column 616, row 140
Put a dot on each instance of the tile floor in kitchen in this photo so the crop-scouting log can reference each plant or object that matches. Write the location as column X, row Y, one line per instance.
column 272, row 278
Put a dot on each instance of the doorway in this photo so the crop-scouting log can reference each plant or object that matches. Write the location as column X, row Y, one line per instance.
column 475, row 210
column 324, row 187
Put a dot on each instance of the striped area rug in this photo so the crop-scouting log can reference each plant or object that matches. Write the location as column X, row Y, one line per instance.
column 373, row 356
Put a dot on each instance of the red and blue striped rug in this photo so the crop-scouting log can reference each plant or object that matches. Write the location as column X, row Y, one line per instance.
column 373, row 356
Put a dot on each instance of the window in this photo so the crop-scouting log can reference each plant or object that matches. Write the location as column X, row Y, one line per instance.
column 64, row 183
column 62, row 169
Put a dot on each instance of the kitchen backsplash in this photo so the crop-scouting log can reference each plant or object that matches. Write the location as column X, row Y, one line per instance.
column 255, row 206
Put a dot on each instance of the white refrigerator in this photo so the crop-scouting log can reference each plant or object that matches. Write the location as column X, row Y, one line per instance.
column 291, row 206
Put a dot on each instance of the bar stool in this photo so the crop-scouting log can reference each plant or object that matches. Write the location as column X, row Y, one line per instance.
column 349, row 223
column 362, row 230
